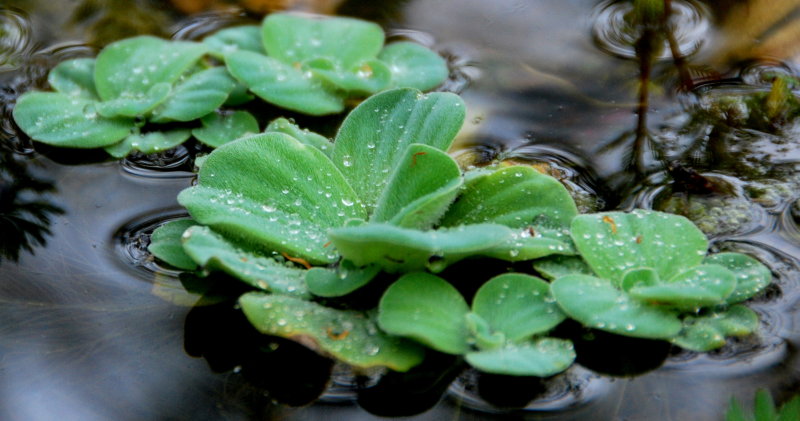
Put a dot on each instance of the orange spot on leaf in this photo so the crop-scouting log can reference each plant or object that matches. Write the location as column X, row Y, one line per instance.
column 297, row 260
column 414, row 158
column 608, row 220
column 337, row 336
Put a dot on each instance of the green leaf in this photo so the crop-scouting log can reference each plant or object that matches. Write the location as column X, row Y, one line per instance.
column 196, row 96
column 517, row 197
column 340, row 281
column 790, row 411
column 764, row 406
column 541, row 357
column 295, row 38
column 135, row 104
column 641, row 277
column 238, row 38
column 272, row 193
column 152, row 142
column 517, row 305
column 74, row 78
column 349, row 336
column 364, row 78
column 596, row 303
column 699, row 286
column 221, row 128
column 422, row 186
column 165, row 244
column 556, row 266
column 375, row 135
column 523, row 246
column 239, row 95
column 707, row 332
column 131, row 67
column 398, row 249
column 214, row 252
column 751, row 275
column 283, row 85
column 428, row 309
column 736, row 413
column 482, row 334
column 60, row 120
column 414, row 66
column 614, row 242
column 305, row 136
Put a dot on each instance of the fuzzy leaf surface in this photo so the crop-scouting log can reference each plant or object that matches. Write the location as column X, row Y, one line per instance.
column 340, row 281
column 148, row 143
column 166, row 244
column 349, row 336
column 282, row 125
column 699, row 286
column 198, row 95
column 708, row 332
column 238, row 38
column 542, row 357
column 74, row 78
column 364, row 78
column 219, row 129
column 414, row 66
column 751, row 275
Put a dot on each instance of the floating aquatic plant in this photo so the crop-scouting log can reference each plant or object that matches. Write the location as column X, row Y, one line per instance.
column 646, row 274
column 313, row 64
column 764, row 409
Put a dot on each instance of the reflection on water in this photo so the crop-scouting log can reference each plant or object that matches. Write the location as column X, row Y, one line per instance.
column 694, row 113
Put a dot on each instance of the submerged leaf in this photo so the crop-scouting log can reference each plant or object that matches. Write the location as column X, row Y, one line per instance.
column 166, row 244
column 214, row 252
column 375, row 134
column 349, row 336
column 542, row 357
column 428, row 309
column 60, row 120
column 273, row 193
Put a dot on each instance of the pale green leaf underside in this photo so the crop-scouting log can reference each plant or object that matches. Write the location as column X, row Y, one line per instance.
column 516, row 197
column 428, row 309
column 614, row 242
column 340, row 281
column 198, row 95
column 275, row 194
column 414, row 66
column 398, row 249
column 282, row 84
column 219, row 129
column 517, row 305
column 541, row 357
column 751, row 275
column 596, row 303
column 214, row 252
column 132, row 66
column 74, row 78
column 423, row 184
column 152, row 142
column 282, row 125
column 375, row 134
column 57, row 119
column 708, row 332
column 295, row 39
column 349, row 336
column 166, row 244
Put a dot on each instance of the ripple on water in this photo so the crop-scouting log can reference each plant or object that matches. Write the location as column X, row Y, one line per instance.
column 15, row 42
column 173, row 163
column 132, row 239
column 198, row 26
column 567, row 391
column 614, row 35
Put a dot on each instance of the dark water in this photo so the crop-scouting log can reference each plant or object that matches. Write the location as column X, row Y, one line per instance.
column 92, row 329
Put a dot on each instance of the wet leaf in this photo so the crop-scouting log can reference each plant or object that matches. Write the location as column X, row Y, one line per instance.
column 282, row 125
column 196, row 96
column 423, row 184
column 212, row 251
column 60, row 120
column 272, row 193
column 340, row 281
column 364, row 78
column 398, row 249
column 148, row 143
column 238, row 38
column 517, row 305
column 556, row 266
column 135, row 104
column 641, row 277
column 428, row 309
column 349, row 336
column 614, row 242
column 540, row 357
column 165, row 244
column 375, row 135
column 596, row 303
column 708, row 332
column 751, row 275
column 74, row 78
column 295, row 39
column 282, row 84
column 699, row 286
column 521, row 246
column 414, row 66
column 131, row 67
column 219, row 129
column 517, row 197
